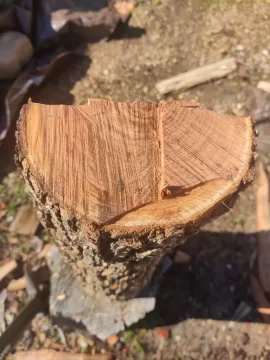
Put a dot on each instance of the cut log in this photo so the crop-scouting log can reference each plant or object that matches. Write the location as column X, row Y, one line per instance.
column 121, row 183
column 197, row 76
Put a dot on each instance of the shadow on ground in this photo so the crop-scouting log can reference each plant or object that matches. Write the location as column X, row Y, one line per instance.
column 214, row 285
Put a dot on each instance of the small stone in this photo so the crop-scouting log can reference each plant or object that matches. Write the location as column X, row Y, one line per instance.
column 181, row 257
column 107, row 272
column 16, row 52
column 239, row 47
column 61, row 297
column 145, row 89
column 106, row 72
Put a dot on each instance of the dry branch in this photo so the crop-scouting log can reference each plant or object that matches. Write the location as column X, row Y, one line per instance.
column 197, row 76
column 263, row 305
column 17, row 284
column 57, row 355
column 120, row 183
column 7, row 268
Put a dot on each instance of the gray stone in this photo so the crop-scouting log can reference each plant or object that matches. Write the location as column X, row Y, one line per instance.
column 16, row 52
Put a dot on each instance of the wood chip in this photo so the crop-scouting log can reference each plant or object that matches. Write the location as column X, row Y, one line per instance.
column 7, row 268
column 181, row 257
column 263, row 228
column 264, row 85
column 57, row 355
column 18, row 284
column 112, row 340
column 260, row 299
column 163, row 332
column 26, row 221
column 197, row 76
column 45, row 251
column 13, row 241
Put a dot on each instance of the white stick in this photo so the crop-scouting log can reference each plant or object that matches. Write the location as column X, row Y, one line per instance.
column 197, row 76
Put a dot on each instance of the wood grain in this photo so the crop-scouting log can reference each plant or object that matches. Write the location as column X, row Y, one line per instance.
column 120, row 183
column 103, row 160
column 96, row 160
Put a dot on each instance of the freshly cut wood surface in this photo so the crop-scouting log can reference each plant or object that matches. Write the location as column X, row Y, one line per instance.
column 120, row 183
column 107, row 160
column 97, row 160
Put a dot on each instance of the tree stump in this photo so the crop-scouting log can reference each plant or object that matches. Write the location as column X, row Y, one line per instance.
column 121, row 183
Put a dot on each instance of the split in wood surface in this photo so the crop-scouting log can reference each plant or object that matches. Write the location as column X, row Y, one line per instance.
column 122, row 182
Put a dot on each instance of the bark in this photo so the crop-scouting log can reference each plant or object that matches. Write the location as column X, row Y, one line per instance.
column 119, row 243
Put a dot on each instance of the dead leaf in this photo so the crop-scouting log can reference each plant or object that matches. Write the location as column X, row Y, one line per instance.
column 45, row 251
column 3, row 206
column 18, row 284
column 163, row 332
column 13, row 241
column 3, row 213
column 7, row 268
column 57, row 355
column 112, row 340
column 259, row 297
column 26, row 221
column 124, row 8
column 3, row 209
column 264, row 85
column 181, row 258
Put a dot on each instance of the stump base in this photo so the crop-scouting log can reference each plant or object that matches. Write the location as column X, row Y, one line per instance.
column 98, row 315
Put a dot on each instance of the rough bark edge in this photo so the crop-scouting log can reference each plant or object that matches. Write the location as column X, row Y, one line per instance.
column 122, row 263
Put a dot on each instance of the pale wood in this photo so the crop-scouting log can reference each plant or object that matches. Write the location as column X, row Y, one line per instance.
column 26, row 221
column 263, row 228
column 17, row 284
column 49, row 354
column 7, row 268
column 260, row 299
column 197, row 76
column 122, row 182
column 264, row 85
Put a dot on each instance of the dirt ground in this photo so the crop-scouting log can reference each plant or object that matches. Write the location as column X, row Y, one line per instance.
column 207, row 305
